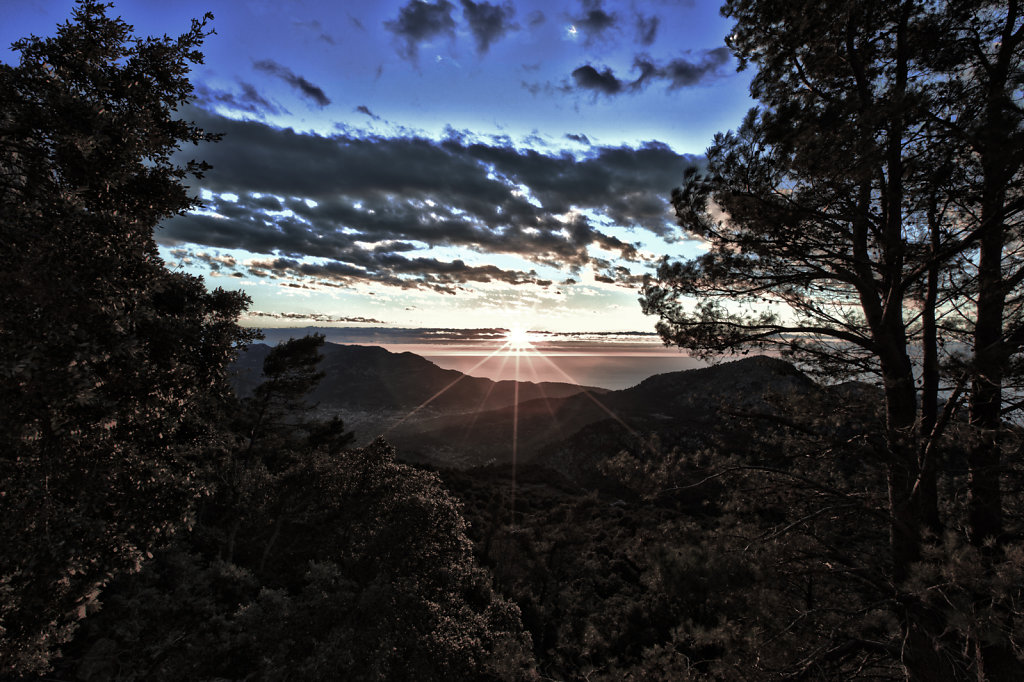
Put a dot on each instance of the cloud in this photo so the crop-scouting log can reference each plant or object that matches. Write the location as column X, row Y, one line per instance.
column 594, row 21
column 395, row 270
column 578, row 137
column 682, row 72
column 390, row 335
column 677, row 73
column 419, row 22
column 646, row 29
column 374, row 209
column 626, row 340
column 311, row 317
column 215, row 262
column 604, row 82
column 363, row 109
column 535, row 19
column 316, row 27
column 248, row 100
column 305, row 88
column 488, row 22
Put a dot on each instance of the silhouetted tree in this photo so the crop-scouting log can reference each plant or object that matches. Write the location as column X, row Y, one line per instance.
column 866, row 221
column 110, row 363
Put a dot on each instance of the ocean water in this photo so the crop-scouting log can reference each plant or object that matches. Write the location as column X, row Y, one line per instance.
column 605, row 371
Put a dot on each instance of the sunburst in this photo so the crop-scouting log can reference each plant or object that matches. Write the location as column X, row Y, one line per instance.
column 518, row 344
column 520, row 340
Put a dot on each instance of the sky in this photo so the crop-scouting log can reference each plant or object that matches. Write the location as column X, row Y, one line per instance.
column 459, row 165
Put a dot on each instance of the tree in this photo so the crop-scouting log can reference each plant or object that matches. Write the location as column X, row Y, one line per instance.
column 275, row 435
column 110, row 363
column 865, row 220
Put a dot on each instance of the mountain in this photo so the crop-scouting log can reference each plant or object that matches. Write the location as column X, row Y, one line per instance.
column 447, row 418
column 372, row 388
column 684, row 405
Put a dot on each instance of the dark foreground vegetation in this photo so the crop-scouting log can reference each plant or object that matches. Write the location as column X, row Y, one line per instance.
column 157, row 526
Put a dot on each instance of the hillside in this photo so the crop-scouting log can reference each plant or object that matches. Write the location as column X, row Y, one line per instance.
column 469, row 421
column 685, row 404
column 377, row 392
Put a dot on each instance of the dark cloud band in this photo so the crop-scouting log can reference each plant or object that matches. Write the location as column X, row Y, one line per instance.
column 373, row 205
column 677, row 73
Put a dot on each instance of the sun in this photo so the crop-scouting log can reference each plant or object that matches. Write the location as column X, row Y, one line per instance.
column 519, row 339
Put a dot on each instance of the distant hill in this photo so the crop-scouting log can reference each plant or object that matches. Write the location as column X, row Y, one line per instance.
column 372, row 378
column 685, row 404
column 471, row 421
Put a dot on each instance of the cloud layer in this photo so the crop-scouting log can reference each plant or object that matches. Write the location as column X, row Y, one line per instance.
column 350, row 209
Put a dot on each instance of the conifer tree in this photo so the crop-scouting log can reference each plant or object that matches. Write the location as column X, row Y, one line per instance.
column 110, row 363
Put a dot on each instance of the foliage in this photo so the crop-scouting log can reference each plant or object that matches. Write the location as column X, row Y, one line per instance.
column 311, row 558
column 111, row 364
column 760, row 562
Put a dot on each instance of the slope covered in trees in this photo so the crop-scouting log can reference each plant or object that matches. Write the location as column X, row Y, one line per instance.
column 311, row 559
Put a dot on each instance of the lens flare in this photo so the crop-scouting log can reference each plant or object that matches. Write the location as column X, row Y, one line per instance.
column 518, row 339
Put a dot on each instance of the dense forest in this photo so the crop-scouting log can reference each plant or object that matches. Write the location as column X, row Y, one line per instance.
column 864, row 223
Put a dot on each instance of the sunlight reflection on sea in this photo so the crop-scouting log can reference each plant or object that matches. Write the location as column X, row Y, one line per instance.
column 605, row 371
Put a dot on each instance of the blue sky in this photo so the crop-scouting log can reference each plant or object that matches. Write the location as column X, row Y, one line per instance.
column 406, row 164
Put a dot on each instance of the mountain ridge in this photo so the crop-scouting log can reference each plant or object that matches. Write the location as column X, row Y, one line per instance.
column 446, row 418
column 371, row 377
column 686, row 400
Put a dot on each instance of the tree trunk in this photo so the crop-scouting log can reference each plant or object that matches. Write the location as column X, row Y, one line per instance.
column 927, row 453
column 984, row 497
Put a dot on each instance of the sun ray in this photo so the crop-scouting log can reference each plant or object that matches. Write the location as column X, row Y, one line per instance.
column 515, row 438
column 519, row 345
column 480, row 408
column 434, row 397
column 597, row 402
column 536, row 378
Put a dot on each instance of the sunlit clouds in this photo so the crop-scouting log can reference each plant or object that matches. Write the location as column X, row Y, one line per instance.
column 441, row 163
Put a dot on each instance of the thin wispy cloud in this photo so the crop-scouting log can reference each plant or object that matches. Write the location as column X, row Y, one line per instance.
column 317, row 29
column 647, row 29
column 681, row 72
column 249, row 100
column 304, row 87
column 363, row 109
